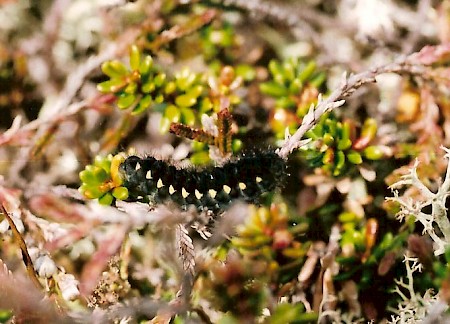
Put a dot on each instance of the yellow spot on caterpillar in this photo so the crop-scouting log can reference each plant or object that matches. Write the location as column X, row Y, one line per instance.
column 159, row 184
column 242, row 185
column 258, row 179
column 148, row 176
column 171, row 190
column 198, row 194
column 226, row 189
column 184, row 193
column 212, row 193
column 138, row 166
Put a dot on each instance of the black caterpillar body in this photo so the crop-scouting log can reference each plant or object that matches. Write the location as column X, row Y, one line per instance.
column 247, row 177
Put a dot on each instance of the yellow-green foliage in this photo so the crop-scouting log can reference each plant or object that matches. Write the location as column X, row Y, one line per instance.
column 295, row 85
column 336, row 145
column 102, row 180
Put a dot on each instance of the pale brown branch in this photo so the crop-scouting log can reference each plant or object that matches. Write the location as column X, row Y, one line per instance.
column 26, row 256
column 410, row 64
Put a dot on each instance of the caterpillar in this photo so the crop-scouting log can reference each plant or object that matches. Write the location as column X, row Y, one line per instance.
column 247, row 177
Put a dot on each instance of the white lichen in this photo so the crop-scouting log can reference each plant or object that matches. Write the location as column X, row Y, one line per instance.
column 415, row 208
column 413, row 307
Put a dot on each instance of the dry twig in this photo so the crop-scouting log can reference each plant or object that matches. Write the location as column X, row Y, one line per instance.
column 414, row 64
column 26, row 256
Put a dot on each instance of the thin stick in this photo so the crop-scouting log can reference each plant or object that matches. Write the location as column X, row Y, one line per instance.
column 26, row 257
column 336, row 98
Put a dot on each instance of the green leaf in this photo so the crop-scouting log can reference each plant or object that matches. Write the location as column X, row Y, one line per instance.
column 148, row 86
column 170, row 87
column 114, row 69
column 198, row 146
column 172, row 113
column 286, row 313
column 331, row 125
column 195, row 91
column 275, row 68
column 273, row 89
column 344, row 142
column 289, row 70
column 200, row 158
column 113, row 85
column 90, row 191
column 125, row 100
column 135, row 57
column 100, row 174
column 286, row 103
column 354, row 157
column 143, row 105
column 185, row 79
column 130, row 88
column 447, row 255
column 307, row 71
column 340, row 160
column 373, row 152
column 205, row 105
column 347, row 216
column 103, row 162
column 5, row 315
column 146, row 65
column 87, row 177
column 185, row 100
column 164, row 125
column 312, row 134
column 369, row 129
column 328, row 139
column 159, row 79
column 237, row 145
column 159, row 99
column 106, row 199
column 295, row 86
column 188, row 116
column 120, row 193
column 318, row 80
column 246, row 72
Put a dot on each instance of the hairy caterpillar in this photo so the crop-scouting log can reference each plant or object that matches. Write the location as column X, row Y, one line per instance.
column 247, row 177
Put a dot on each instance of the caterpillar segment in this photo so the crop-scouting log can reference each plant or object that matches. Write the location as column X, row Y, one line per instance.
column 248, row 177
